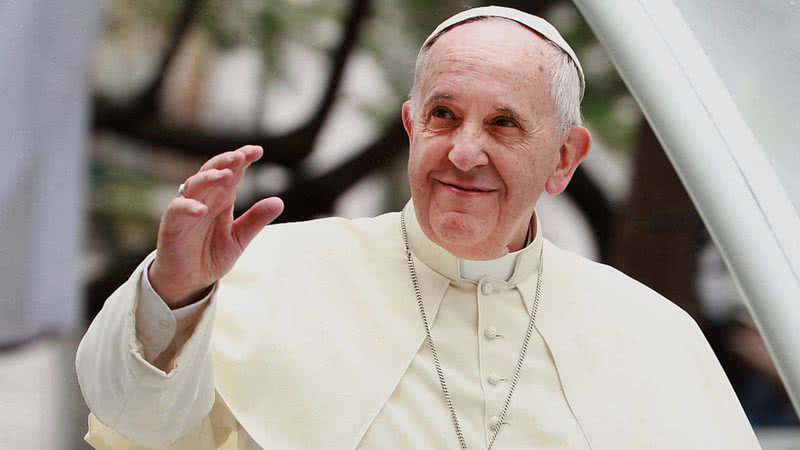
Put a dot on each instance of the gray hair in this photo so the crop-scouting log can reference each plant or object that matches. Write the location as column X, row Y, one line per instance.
column 565, row 87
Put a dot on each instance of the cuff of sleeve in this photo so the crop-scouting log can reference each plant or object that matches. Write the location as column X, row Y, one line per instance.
column 156, row 323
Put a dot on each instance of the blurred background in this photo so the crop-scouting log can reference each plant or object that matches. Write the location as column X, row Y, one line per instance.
column 108, row 106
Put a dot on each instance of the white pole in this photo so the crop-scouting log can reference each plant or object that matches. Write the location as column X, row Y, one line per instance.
column 727, row 175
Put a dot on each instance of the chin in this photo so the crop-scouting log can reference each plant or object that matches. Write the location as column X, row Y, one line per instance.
column 459, row 229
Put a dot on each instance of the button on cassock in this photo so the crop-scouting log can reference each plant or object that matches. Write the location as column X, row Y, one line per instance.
column 491, row 333
column 494, row 423
column 495, row 380
column 487, row 288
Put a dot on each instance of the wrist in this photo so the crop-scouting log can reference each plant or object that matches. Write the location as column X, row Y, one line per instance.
column 172, row 293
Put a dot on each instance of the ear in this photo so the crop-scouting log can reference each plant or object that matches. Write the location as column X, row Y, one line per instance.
column 408, row 122
column 574, row 148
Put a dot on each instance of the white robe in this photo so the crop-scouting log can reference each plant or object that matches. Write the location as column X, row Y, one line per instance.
column 322, row 347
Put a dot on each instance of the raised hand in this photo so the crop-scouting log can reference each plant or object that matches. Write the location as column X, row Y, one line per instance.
column 198, row 239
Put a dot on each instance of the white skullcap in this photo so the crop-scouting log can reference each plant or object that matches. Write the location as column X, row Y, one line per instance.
column 530, row 21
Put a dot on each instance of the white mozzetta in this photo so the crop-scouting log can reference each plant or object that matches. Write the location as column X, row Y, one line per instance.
column 318, row 343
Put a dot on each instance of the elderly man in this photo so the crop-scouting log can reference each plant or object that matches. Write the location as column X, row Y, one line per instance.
column 450, row 324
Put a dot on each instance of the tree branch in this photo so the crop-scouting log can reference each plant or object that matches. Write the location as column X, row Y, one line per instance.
column 146, row 102
column 306, row 199
column 138, row 120
column 285, row 149
column 359, row 10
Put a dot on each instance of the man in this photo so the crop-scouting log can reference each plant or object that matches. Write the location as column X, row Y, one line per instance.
column 451, row 324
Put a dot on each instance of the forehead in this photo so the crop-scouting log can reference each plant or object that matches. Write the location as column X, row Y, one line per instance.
column 491, row 54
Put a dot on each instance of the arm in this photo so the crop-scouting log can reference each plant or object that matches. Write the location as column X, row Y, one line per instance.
column 155, row 386
column 125, row 392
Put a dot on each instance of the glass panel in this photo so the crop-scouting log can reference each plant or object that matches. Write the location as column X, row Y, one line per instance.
column 755, row 48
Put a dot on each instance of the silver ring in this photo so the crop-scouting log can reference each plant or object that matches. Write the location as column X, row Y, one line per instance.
column 181, row 191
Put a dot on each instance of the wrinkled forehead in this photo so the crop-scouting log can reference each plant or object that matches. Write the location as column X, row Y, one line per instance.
column 492, row 63
column 495, row 37
column 539, row 26
column 498, row 48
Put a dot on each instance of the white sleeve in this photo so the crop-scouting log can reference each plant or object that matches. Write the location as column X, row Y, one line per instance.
column 147, row 405
column 156, row 322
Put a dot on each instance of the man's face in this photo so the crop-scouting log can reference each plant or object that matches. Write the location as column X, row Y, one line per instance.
column 483, row 137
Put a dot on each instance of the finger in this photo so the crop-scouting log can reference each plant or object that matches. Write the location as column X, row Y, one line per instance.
column 181, row 215
column 223, row 161
column 247, row 226
column 251, row 154
column 234, row 159
column 198, row 185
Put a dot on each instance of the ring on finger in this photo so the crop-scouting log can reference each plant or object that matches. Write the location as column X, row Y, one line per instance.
column 182, row 190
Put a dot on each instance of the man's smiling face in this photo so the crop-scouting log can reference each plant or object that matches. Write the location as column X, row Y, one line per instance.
column 483, row 137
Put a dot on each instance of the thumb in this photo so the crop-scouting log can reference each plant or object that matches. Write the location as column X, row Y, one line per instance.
column 247, row 226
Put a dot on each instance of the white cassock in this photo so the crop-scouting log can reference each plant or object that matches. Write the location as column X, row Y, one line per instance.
column 315, row 341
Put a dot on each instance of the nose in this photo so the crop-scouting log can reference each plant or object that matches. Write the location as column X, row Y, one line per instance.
column 467, row 151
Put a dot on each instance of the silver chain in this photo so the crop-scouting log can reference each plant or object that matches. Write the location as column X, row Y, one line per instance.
column 517, row 369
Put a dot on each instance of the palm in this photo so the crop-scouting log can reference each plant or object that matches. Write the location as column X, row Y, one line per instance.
column 199, row 241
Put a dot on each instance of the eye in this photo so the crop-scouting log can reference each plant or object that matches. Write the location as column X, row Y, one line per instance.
column 504, row 121
column 442, row 113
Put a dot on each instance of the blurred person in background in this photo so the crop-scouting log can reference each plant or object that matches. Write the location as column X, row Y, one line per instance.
column 452, row 322
column 739, row 346
column 44, row 118
column 45, row 50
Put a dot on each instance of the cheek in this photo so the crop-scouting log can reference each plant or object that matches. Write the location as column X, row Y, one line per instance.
column 418, row 175
column 424, row 157
column 524, row 179
column 515, row 172
column 416, row 166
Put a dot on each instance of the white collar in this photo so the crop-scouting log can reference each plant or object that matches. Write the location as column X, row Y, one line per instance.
column 500, row 268
column 513, row 267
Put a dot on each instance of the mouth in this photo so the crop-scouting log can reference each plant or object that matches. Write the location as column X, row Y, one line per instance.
column 466, row 188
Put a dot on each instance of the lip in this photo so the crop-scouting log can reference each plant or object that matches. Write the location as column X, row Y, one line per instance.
column 465, row 188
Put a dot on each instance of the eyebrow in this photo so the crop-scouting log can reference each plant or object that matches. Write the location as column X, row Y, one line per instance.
column 439, row 96
column 510, row 112
column 502, row 109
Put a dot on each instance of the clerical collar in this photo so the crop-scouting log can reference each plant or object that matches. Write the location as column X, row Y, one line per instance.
column 513, row 267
